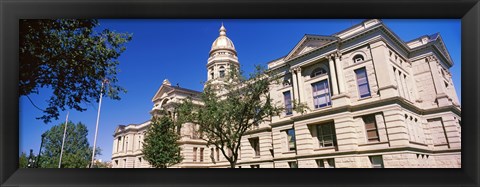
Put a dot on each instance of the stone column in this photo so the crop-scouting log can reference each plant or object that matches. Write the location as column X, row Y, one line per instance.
column 383, row 69
column 333, row 74
column 339, row 68
column 402, row 85
column 399, row 83
column 407, row 91
column 115, row 143
column 300, row 83
column 442, row 98
column 295, row 85
column 342, row 98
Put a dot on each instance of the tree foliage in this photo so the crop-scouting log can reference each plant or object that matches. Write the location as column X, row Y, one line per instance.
column 229, row 110
column 71, row 58
column 23, row 160
column 160, row 147
column 77, row 152
column 98, row 164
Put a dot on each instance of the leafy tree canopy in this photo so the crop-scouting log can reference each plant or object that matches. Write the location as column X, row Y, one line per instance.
column 230, row 109
column 77, row 152
column 71, row 58
column 160, row 147
column 23, row 160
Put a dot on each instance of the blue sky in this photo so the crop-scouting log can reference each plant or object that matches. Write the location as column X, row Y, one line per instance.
column 178, row 50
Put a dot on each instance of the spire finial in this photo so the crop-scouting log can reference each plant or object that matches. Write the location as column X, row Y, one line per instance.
column 223, row 31
column 166, row 82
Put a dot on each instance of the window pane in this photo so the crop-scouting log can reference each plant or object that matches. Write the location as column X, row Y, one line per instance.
column 362, row 82
column 363, row 89
column 320, row 163
column 372, row 134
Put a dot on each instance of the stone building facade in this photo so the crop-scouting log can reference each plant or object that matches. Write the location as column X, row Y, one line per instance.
column 375, row 101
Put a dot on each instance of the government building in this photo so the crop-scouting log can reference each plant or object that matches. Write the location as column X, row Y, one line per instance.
column 375, row 101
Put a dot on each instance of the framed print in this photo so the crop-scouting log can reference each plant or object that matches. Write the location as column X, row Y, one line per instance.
column 350, row 86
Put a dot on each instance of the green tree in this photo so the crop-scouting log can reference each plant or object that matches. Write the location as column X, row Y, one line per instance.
column 77, row 152
column 160, row 147
column 98, row 164
column 230, row 109
column 23, row 160
column 72, row 59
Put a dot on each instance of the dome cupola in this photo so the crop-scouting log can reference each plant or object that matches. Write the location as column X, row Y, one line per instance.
column 223, row 43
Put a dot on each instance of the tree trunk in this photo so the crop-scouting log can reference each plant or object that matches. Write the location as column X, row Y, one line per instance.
column 232, row 164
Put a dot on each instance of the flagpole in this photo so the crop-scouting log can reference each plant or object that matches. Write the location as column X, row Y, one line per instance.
column 63, row 141
column 96, row 127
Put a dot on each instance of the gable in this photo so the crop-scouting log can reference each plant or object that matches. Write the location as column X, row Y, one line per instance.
column 307, row 44
column 161, row 91
column 441, row 46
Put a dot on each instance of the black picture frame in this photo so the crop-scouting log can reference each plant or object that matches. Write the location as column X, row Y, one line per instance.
column 11, row 11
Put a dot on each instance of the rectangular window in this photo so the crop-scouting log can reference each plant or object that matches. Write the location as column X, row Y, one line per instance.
column 326, row 135
column 254, row 142
column 201, row 154
column 293, row 164
column 326, row 163
column 254, row 166
column 291, row 139
column 287, row 98
column 362, row 81
column 239, row 153
column 218, row 154
column 377, row 161
column 194, row 154
column 371, row 128
column 321, row 94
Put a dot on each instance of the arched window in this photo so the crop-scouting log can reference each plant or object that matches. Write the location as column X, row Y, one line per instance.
column 222, row 71
column 211, row 73
column 358, row 58
column 318, row 71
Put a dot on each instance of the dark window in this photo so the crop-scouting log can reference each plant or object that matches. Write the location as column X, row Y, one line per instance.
column 358, row 58
column 326, row 135
column 291, row 139
column 371, row 128
column 321, row 94
column 317, row 72
column 201, row 154
column 362, row 81
column 194, row 154
column 287, row 98
column 255, row 166
column 376, row 161
column 254, row 142
column 222, row 71
column 293, row 164
column 326, row 163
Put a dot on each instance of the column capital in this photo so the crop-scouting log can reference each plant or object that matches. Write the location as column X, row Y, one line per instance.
column 337, row 54
column 295, row 69
column 431, row 58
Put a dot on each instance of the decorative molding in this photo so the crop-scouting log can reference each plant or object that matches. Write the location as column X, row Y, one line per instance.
column 431, row 58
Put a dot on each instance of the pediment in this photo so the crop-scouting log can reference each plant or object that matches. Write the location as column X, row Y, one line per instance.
column 441, row 46
column 309, row 43
column 119, row 128
column 164, row 89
